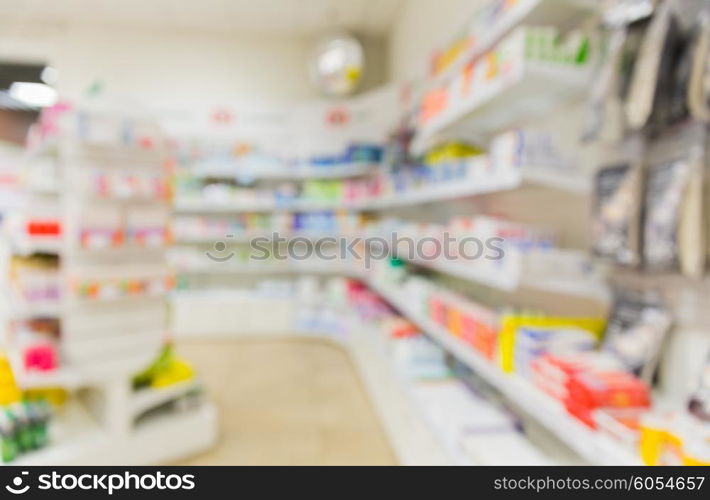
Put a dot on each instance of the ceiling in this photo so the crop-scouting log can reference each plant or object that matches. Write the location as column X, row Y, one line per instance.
column 283, row 17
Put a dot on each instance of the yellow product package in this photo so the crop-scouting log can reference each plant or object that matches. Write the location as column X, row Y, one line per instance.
column 510, row 323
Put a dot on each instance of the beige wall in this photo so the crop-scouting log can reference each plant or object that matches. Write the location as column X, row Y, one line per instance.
column 165, row 68
column 170, row 67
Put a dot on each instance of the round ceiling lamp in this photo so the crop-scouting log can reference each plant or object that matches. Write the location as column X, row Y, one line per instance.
column 337, row 64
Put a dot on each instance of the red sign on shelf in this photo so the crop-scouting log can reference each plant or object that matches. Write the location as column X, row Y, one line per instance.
column 222, row 116
column 337, row 117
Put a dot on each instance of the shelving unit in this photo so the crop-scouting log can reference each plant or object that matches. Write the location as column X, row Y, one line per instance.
column 249, row 236
column 265, row 172
column 531, row 12
column 146, row 399
column 593, row 446
column 437, row 192
column 414, row 436
column 467, row 213
column 198, row 206
column 414, row 441
column 111, row 305
column 499, row 182
column 518, row 86
column 531, row 90
column 512, row 273
column 294, row 267
column 78, row 440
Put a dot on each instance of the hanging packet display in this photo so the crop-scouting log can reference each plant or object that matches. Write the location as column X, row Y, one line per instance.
column 674, row 231
column 666, row 185
column 615, row 224
column 604, row 114
column 671, row 106
column 653, row 67
column 699, row 82
column 626, row 22
column 635, row 331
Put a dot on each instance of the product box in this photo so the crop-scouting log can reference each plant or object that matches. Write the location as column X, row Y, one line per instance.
column 511, row 323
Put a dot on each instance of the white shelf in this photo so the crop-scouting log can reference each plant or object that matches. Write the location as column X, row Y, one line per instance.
column 293, row 173
column 418, row 436
column 410, row 435
column 340, row 172
column 532, row 12
column 248, row 237
column 537, row 88
column 459, row 188
column 410, row 432
column 75, row 439
column 504, row 180
column 511, row 278
column 589, row 444
column 145, row 399
column 114, row 355
column 65, row 378
column 267, row 205
column 56, row 246
column 169, row 438
column 24, row 310
column 104, row 342
column 36, row 244
column 273, row 268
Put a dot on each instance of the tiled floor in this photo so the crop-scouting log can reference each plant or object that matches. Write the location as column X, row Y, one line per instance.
column 286, row 402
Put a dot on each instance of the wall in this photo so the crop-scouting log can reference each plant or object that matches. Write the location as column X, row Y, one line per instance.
column 421, row 27
column 173, row 68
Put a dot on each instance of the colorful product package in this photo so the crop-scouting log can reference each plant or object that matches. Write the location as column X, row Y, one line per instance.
column 673, row 438
column 585, row 383
column 532, row 342
column 511, row 323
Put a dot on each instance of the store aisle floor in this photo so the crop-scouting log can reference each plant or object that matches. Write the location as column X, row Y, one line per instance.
column 286, row 401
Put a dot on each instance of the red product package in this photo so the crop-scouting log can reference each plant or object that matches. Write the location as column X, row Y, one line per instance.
column 44, row 227
column 469, row 327
column 553, row 370
column 612, row 389
column 438, row 310
column 581, row 413
column 400, row 328
column 40, row 357
column 486, row 341
column 479, row 328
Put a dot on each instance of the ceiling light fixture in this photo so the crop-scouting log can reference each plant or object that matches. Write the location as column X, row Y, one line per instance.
column 337, row 64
